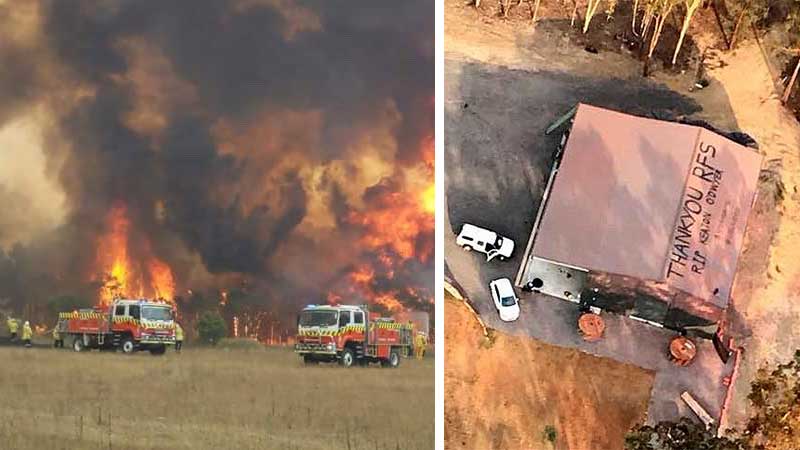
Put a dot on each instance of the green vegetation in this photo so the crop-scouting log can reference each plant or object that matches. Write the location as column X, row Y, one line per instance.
column 682, row 435
column 550, row 434
column 211, row 327
column 774, row 424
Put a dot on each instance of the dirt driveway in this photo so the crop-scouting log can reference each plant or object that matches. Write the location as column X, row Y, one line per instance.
column 766, row 299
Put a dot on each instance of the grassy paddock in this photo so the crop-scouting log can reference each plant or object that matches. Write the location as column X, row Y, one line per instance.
column 210, row 398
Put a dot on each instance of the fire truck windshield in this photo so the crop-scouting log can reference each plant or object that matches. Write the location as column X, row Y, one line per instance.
column 318, row 318
column 156, row 313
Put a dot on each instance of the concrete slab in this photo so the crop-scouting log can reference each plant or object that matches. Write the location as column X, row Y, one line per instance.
column 555, row 280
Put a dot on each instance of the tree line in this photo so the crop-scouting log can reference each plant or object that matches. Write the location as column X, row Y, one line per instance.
column 649, row 16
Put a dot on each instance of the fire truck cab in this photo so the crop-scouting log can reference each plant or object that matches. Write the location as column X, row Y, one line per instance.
column 127, row 325
column 350, row 335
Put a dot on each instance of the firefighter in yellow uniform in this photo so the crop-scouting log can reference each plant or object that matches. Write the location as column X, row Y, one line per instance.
column 58, row 342
column 13, row 327
column 178, row 337
column 27, row 333
column 419, row 345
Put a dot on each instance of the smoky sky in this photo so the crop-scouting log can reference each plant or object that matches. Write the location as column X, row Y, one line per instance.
column 344, row 59
column 367, row 51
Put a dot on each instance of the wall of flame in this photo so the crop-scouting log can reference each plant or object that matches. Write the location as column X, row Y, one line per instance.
column 125, row 273
column 283, row 145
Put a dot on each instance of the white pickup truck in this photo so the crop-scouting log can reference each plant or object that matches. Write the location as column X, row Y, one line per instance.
column 485, row 241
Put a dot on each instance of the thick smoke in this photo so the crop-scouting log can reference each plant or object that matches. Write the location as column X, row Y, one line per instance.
column 248, row 140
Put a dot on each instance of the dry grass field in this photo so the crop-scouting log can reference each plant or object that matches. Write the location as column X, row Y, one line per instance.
column 210, row 398
column 516, row 392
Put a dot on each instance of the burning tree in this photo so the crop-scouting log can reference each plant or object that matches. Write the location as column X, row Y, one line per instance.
column 172, row 177
column 250, row 311
column 129, row 273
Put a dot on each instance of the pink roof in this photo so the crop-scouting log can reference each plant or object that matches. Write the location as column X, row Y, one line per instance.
column 650, row 199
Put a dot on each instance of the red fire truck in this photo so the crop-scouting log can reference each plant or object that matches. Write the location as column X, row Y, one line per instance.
column 327, row 333
column 127, row 325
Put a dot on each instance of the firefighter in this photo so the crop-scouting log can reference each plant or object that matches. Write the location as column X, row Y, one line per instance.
column 13, row 326
column 58, row 342
column 419, row 345
column 27, row 334
column 178, row 337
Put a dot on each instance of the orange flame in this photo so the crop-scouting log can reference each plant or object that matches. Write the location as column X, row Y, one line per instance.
column 361, row 284
column 398, row 227
column 398, row 223
column 112, row 254
column 429, row 199
column 124, row 276
column 334, row 298
column 161, row 279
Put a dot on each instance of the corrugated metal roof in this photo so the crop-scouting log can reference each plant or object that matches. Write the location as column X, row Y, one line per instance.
column 650, row 199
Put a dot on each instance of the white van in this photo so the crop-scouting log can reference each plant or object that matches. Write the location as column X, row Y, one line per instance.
column 485, row 241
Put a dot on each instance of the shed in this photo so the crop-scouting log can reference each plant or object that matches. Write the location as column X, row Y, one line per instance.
column 643, row 217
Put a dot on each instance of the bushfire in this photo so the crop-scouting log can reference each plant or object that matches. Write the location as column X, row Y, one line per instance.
column 159, row 174
column 124, row 272
column 398, row 230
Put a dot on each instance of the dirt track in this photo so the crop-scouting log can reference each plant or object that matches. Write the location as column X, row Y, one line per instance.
column 770, row 307
column 503, row 396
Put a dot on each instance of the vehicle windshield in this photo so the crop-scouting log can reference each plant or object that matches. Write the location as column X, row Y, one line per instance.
column 499, row 242
column 318, row 318
column 508, row 301
column 156, row 313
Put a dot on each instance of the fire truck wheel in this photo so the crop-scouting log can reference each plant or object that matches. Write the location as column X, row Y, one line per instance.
column 127, row 346
column 394, row 359
column 159, row 350
column 348, row 358
column 77, row 344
